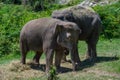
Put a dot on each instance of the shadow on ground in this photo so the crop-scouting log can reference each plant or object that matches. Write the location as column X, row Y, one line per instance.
column 89, row 63
column 41, row 67
column 84, row 64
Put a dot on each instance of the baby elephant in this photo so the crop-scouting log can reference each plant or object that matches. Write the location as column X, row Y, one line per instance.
column 48, row 35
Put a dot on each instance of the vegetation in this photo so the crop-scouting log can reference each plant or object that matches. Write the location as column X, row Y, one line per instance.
column 14, row 16
column 110, row 19
column 12, row 19
column 106, row 67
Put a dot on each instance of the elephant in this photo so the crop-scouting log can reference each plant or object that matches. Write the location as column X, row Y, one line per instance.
column 89, row 22
column 49, row 35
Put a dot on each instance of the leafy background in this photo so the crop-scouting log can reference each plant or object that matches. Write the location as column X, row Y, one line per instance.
column 13, row 15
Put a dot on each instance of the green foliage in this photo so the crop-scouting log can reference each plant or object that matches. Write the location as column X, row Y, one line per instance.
column 52, row 74
column 110, row 15
column 12, row 18
column 39, row 5
column 11, row 1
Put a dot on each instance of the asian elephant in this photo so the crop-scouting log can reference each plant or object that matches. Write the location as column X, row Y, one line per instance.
column 48, row 35
column 89, row 22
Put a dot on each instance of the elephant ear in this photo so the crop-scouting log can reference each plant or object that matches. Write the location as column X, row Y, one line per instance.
column 59, row 29
column 68, row 16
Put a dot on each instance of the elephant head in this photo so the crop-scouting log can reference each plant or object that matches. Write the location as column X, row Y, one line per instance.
column 68, row 38
column 68, row 35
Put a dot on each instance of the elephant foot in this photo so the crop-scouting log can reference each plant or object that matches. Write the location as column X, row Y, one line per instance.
column 91, row 59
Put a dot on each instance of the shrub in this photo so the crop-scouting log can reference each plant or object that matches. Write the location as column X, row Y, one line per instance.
column 12, row 19
column 110, row 15
column 11, row 1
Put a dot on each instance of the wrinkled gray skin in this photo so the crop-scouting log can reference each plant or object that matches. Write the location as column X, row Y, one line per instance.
column 48, row 35
column 89, row 22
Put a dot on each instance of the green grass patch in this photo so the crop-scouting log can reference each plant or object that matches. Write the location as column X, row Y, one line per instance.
column 106, row 67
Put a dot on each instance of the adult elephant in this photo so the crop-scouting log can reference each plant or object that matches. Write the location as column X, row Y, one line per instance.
column 90, row 23
column 48, row 35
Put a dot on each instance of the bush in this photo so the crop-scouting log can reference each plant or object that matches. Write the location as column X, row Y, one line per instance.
column 110, row 15
column 12, row 18
column 11, row 1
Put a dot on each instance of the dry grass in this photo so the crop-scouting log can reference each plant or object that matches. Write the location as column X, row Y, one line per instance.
column 16, row 71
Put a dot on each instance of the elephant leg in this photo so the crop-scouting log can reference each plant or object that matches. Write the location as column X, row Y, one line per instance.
column 89, row 50
column 49, row 59
column 24, row 51
column 92, row 42
column 94, row 53
column 77, row 58
column 73, row 60
column 58, row 57
column 23, row 61
column 37, row 56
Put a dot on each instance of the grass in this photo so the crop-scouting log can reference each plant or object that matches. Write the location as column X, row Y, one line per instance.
column 107, row 67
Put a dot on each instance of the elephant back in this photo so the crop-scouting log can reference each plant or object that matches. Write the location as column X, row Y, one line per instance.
column 81, row 11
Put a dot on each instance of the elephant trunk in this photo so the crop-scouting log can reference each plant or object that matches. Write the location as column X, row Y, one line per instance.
column 72, row 55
